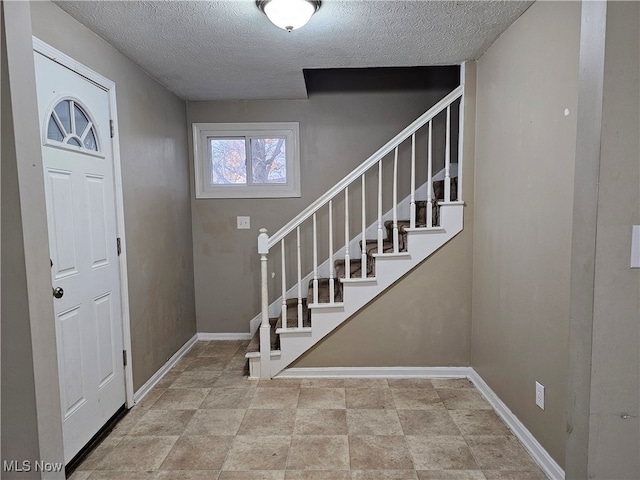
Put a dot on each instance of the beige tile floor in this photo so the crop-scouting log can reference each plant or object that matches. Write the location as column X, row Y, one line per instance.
column 206, row 420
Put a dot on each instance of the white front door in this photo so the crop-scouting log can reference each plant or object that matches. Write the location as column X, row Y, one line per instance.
column 81, row 213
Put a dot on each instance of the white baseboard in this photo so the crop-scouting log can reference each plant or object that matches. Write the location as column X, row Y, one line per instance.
column 376, row 372
column 208, row 337
column 537, row 451
column 152, row 382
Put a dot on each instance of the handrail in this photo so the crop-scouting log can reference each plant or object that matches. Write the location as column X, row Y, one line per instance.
column 364, row 166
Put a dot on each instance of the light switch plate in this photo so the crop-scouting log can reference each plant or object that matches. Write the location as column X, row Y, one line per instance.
column 540, row 395
column 244, row 223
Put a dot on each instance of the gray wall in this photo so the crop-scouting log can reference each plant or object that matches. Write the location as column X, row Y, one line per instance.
column 21, row 440
column 603, row 410
column 525, row 154
column 615, row 441
column 424, row 320
column 155, row 178
column 338, row 131
column 31, row 415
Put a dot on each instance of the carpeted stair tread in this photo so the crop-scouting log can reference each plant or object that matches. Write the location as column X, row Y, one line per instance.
column 403, row 225
column 372, row 246
column 254, row 344
column 292, row 314
column 355, row 267
column 323, row 291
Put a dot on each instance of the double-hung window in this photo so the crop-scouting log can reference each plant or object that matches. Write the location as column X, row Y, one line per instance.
column 246, row 160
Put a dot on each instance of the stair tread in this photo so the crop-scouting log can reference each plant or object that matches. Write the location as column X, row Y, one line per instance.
column 323, row 291
column 254, row 344
column 355, row 267
column 403, row 225
column 292, row 314
column 372, row 247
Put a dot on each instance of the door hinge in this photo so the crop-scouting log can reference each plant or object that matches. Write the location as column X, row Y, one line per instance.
column 124, row 357
column 112, row 128
column 119, row 246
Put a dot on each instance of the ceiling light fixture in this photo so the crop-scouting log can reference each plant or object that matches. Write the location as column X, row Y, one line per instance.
column 289, row 14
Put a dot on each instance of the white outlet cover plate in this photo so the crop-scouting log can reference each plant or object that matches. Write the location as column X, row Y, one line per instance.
column 244, row 223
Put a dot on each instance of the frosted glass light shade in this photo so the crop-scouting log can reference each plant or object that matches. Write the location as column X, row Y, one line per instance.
column 289, row 14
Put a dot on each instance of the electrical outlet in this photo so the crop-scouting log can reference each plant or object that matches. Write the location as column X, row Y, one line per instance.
column 244, row 223
column 540, row 395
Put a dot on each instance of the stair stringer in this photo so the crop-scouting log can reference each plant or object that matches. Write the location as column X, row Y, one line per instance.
column 421, row 244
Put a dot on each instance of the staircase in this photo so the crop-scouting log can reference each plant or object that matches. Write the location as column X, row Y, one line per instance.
column 392, row 238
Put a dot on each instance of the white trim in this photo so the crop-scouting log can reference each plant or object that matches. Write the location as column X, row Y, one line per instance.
column 255, row 322
column 461, row 120
column 376, row 372
column 110, row 87
column 208, row 337
column 535, row 449
column 65, row 60
column 156, row 377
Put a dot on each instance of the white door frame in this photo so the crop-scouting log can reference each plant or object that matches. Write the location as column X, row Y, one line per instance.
column 68, row 62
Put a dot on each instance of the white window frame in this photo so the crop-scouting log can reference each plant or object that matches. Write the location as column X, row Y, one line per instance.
column 203, row 131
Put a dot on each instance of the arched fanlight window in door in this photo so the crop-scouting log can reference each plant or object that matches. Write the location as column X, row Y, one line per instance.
column 70, row 125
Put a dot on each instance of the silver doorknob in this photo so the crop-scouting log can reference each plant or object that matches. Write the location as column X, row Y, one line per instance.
column 58, row 292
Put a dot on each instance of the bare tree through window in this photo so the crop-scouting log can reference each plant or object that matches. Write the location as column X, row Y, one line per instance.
column 268, row 160
column 228, row 161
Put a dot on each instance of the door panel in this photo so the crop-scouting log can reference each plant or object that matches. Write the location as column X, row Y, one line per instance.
column 105, row 321
column 97, row 227
column 72, row 365
column 62, row 223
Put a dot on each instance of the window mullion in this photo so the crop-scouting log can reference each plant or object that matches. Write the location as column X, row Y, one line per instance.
column 72, row 117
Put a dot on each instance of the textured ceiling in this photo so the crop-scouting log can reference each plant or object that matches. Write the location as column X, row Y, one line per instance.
column 227, row 49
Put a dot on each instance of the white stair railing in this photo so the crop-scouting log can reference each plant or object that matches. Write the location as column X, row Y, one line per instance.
column 373, row 164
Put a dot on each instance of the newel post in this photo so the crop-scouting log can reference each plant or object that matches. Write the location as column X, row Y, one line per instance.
column 265, row 328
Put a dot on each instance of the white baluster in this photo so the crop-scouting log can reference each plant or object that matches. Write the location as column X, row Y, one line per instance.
column 315, row 260
column 396, row 247
column 363, row 262
column 347, row 260
column 412, row 210
column 380, row 206
column 331, row 286
column 299, row 279
column 429, row 179
column 265, row 327
column 447, row 159
column 460, row 149
column 284, row 287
